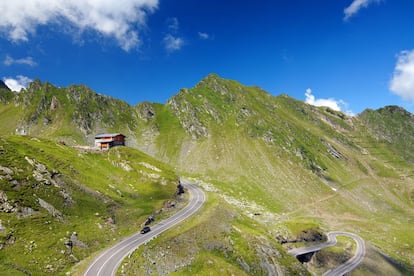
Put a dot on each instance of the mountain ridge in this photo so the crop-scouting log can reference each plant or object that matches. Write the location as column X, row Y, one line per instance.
column 84, row 96
column 286, row 165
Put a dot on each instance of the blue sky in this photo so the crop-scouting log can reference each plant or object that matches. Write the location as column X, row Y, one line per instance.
column 347, row 54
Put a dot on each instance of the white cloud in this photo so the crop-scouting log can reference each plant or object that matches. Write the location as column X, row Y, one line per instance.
column 203, row 36
column 331, row 103
column 173, row 24
column 173, row 43
column 119, row 19
column 402, row 83
column 355, row 6
column 337, row 105
column 18, row 83
column 8, row 61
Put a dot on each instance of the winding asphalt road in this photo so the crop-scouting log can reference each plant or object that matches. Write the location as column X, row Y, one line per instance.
column 107, row 263
column 344, row 268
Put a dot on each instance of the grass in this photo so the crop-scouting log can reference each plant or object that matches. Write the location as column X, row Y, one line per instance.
column 264, row 154
column 108, row 202
column 298, row 225
column 377, row 263
column 170, row 132
column 9, row 118
column 344, row 244
column 216, row 240
column 73, row 114
column 292, row 174
column 209, row 264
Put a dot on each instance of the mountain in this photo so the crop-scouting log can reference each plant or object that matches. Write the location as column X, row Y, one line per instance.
column 276, row 169
column 4, row 86
column 5, row 93
column 52, row 194
column 394, row 126
column 73, row 114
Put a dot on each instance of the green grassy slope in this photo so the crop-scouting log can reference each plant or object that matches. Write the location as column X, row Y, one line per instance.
column 275, row 151
column 101, row 196
column 393, row 126
column 73, row 114
column 282, row 165
column 296, row 163
column 217, row 241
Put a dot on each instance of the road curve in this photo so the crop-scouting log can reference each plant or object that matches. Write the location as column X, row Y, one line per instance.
column 344, row 268
column 107, row 263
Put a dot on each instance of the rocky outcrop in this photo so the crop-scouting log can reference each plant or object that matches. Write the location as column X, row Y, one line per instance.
column 8, row 206
column 269, row 257
column 34, row 86
column 309, row 235
column 6, row 173
column 149, row 166
column 25, row 212
column 8, row 240
column 146, row 111
column 33, row 119
column 5, row 205
column 50, row 209
column 2, row 227
column 332, row 150
column 76, row 241
column 54, row 104
column 40, row 172
column 187, row 116
column 42, row 175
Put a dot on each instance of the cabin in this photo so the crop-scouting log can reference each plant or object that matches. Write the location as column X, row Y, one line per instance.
column 107, row 141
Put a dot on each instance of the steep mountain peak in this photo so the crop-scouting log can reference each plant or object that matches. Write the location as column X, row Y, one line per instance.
column 394, row 109
column 392, row 124
column 35, row 85
column 212, row 77
column 218, row 84
column 389, row 112
column 53, row 111
column 214, row 101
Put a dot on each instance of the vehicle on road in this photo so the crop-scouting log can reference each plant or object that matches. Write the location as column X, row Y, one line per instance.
column 146, row 229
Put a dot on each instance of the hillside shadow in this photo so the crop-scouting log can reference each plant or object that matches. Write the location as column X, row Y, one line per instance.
column 377, row 263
